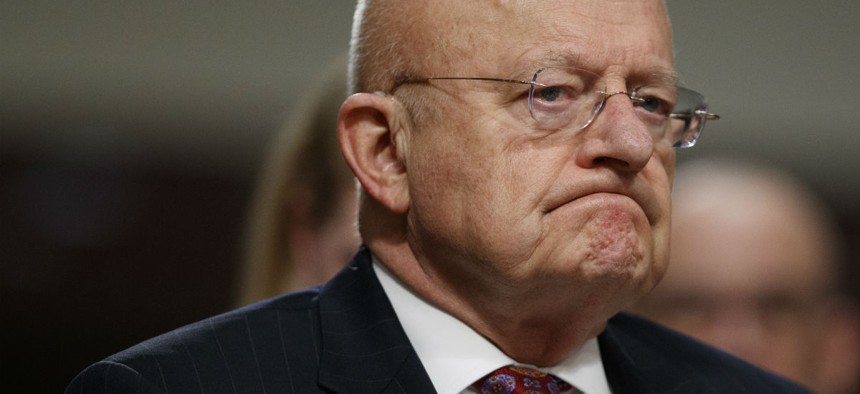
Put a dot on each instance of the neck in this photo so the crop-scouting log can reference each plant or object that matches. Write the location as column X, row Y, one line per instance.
column 539, row 327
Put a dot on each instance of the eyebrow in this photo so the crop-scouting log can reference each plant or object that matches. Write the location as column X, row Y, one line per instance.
column 665, row 76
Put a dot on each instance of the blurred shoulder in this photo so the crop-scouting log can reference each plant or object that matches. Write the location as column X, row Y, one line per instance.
column 638, row 352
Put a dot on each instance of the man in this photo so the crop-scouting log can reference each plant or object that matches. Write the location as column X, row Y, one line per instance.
column 515, row 161
column 754, row 271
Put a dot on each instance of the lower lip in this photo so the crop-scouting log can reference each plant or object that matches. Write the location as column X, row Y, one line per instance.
column 591, row 204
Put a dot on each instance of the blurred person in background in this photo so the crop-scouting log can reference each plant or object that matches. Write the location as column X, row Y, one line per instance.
column 754, row 269
column 302, row 224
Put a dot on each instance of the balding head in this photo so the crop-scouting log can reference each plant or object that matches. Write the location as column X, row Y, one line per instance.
column 388, row 37
column 393, row 40
column 753, row 220
column 753, row 266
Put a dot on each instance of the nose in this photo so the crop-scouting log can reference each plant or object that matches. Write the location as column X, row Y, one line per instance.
column 617, row 138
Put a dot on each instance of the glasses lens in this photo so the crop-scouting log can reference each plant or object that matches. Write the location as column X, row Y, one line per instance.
column 570, row 98
column 564, row 98
column 688, row 118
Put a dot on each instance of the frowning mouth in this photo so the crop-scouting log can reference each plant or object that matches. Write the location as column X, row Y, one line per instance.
column 591, row 202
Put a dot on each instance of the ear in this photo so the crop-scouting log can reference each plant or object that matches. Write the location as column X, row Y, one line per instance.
column 370, row 129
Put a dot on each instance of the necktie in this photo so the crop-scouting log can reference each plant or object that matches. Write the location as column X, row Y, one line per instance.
column 520, row 380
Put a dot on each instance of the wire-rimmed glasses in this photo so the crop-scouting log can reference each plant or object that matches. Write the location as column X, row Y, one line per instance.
column 571, row 98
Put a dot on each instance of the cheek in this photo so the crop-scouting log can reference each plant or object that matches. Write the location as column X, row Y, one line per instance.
column 480, row 195
column 661, row 171
column 661, row 228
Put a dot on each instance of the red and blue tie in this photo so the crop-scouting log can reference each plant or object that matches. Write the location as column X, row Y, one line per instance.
column 521, row 380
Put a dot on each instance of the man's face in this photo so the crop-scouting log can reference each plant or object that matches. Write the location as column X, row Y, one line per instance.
column 499, row 203
column 749, row 274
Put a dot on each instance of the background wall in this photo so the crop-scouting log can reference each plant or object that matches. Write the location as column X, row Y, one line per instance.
column 131, row 135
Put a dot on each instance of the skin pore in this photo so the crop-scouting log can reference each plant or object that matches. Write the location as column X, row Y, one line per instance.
column 533, row 238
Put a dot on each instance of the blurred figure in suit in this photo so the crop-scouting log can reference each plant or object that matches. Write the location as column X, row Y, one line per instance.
column 302, row 224
column 754, row 269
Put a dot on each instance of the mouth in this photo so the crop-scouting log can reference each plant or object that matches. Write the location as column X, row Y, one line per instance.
column 615, row 199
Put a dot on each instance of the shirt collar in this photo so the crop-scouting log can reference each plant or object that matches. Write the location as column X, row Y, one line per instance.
column 455, row 356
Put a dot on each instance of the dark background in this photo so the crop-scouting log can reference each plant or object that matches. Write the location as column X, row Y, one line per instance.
column 132, row 134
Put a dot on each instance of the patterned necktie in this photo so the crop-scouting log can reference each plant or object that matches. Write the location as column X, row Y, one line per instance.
column 520, row 380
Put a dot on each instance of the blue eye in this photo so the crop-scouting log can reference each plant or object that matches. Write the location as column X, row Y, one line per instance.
column 550, row 93
column 650, row 104
column 653, row 99
column 653, row 105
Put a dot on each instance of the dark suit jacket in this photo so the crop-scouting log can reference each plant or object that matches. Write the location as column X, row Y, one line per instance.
column 346, row 338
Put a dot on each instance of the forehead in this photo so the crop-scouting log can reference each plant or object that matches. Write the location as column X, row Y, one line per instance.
column 512, row 36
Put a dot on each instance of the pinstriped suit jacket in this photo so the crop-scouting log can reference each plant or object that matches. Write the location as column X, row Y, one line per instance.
column 346, row 338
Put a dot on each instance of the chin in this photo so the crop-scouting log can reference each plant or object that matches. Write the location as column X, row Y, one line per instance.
column 631, row 274
column 634, row 273
column 619, row 255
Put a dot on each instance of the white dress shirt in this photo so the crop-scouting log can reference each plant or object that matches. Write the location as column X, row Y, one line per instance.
column 455, row 356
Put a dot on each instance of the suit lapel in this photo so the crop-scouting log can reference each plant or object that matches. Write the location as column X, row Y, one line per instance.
column 640, row 358
column 620, row 366
column 364, row 347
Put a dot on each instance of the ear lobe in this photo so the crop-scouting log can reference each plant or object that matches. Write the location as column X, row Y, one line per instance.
column 368, row 129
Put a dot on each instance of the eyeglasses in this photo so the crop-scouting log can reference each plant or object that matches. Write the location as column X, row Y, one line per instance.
column 571, row 98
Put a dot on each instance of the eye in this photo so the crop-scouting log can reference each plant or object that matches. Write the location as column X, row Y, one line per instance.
column 653, row 100
column 651, row 104
column 555, row 106
column 550, row 93
column 563, row 97
column 556, row 98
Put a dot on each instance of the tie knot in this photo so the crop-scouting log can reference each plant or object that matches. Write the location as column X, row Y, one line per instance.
column 520, row 380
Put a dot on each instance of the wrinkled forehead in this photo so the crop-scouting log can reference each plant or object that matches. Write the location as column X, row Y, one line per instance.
column 498, row 36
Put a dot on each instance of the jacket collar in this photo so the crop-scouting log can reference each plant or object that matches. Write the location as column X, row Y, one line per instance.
column 364, row 347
